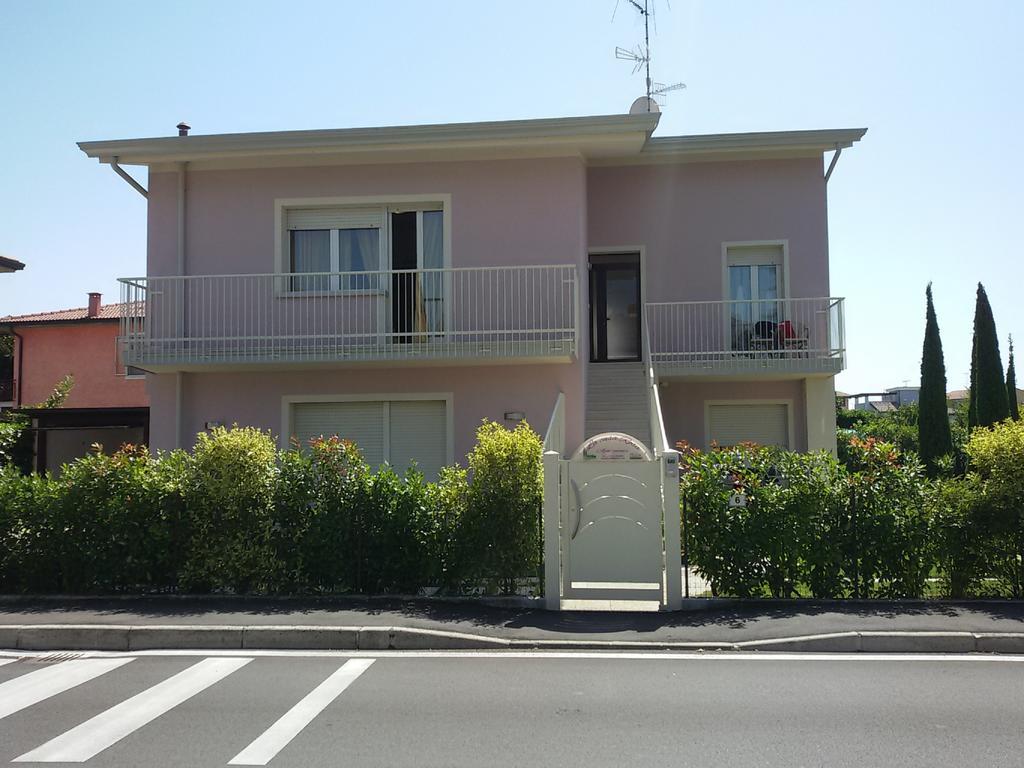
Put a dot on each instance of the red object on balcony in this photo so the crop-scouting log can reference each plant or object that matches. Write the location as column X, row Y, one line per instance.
column 786, row 330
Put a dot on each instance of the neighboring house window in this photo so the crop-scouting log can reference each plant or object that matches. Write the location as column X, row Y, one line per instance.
column 734, row 423
column 398, row 432
column 755, row 282
column 131, row 372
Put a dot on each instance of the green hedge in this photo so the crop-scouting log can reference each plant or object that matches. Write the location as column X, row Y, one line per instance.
column 767, row 522
column 237, row 515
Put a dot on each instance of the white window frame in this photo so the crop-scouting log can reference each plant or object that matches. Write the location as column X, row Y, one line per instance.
column 739, row 261
column 788, row 402
column 289, row 401
column 335, row 266
column 389, row 204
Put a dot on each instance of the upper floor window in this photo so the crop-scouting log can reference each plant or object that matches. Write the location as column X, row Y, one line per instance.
column 330, row 247
column 349, row 247
column 755, row 275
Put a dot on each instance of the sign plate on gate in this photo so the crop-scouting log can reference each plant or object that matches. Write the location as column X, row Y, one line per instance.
column 613, row 446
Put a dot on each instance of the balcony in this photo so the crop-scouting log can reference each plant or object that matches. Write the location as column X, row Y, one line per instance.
column 466, row 315
column 797, row 337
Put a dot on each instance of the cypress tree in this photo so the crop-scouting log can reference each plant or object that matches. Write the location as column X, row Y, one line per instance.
column 988, row 387
column 1011, row 386
column 933, row 417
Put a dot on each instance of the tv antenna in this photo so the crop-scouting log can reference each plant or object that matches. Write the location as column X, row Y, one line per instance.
column 641, row 55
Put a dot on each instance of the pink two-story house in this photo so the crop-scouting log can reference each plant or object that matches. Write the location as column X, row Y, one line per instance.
column 397, row 285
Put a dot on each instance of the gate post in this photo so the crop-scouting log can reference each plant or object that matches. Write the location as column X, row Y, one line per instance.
column 552, row 543
column 673, row 544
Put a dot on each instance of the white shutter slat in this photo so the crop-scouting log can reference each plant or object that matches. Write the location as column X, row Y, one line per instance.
column 419, row 432
column 360, row 422
column 761, row 423
column 350, row 217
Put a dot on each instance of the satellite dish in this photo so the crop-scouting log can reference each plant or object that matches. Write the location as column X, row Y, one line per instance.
column 643, row 106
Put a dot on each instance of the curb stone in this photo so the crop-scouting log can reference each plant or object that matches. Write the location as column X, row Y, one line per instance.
column 127, row 638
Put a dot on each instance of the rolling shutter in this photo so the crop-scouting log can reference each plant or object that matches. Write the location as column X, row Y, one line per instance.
column 761, row 423
column 419, row 432
column 360, row 422
column 351, row 217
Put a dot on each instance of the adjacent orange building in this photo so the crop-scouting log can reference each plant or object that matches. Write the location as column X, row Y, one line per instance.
column 107, row 404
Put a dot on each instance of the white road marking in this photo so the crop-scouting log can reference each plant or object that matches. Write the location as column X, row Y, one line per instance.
column 276, row 737
column 107, row 728
column 652, row 655
column 33, row 687
column 5, row 661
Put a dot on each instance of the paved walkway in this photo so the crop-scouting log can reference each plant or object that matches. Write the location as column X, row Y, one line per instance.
column 735, row 621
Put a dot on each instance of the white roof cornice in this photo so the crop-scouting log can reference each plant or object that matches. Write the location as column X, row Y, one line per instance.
column 571, row 136
column 740, row 146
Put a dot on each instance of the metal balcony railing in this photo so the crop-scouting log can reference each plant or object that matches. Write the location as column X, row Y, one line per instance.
column 706, row 337
column 453, row 313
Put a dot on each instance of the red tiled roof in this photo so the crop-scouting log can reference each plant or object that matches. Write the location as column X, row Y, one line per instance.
column 107, row 312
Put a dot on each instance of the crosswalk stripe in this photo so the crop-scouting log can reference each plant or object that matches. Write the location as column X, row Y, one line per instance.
column 276, row 737
column 107, row 728
column 33, row 687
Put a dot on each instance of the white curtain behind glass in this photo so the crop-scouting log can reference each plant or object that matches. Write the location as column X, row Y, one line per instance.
column 359, row 251
column 432, row 290
column 311, row 252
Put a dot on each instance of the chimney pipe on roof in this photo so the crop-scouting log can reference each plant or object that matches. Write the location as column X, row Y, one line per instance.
column 94, row 304
column 183, row 129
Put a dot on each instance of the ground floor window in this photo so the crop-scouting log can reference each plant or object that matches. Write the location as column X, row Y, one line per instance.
column 762, row 423
column 398, row 432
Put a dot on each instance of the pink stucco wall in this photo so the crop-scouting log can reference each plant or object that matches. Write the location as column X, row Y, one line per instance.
column 509, row 212
column 479, row 392
column 683, row 213
column 86, row 350
column 682, row 405
column 502, row 213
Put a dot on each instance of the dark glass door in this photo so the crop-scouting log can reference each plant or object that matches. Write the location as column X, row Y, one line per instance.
column 614, row 311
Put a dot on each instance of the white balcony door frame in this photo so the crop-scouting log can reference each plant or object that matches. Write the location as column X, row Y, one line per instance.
column 736, row 245
column 611, row 250
column 389, row 204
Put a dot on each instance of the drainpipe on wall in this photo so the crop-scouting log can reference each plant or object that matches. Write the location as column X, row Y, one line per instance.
column 832, row 165
column 179, row 427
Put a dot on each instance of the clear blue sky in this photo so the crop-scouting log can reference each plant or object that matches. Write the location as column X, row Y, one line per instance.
column 932, row 193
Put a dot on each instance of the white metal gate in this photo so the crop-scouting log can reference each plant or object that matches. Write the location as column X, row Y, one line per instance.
column 611, row 529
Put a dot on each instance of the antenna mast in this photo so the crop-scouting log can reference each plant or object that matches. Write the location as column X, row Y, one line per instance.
column 641, row 57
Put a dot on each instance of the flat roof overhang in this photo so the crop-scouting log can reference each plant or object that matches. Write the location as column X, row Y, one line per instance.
column 585, row 137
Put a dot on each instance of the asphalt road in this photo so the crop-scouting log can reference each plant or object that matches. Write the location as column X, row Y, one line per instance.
column 506, row 709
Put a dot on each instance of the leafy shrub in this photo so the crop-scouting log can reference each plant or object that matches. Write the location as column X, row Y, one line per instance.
column 997, row 454
column 499, row 531
column 31, row 533
column 886, row 546
column 767, row 521
column 964, row 544
column 229, row 491
column 748, row 515
column 122, row 516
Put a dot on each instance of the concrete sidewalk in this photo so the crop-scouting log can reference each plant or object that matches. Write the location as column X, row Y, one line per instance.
column 138, row 623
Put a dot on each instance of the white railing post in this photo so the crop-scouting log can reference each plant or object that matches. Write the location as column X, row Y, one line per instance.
column 552, row 511
column 673, row 539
